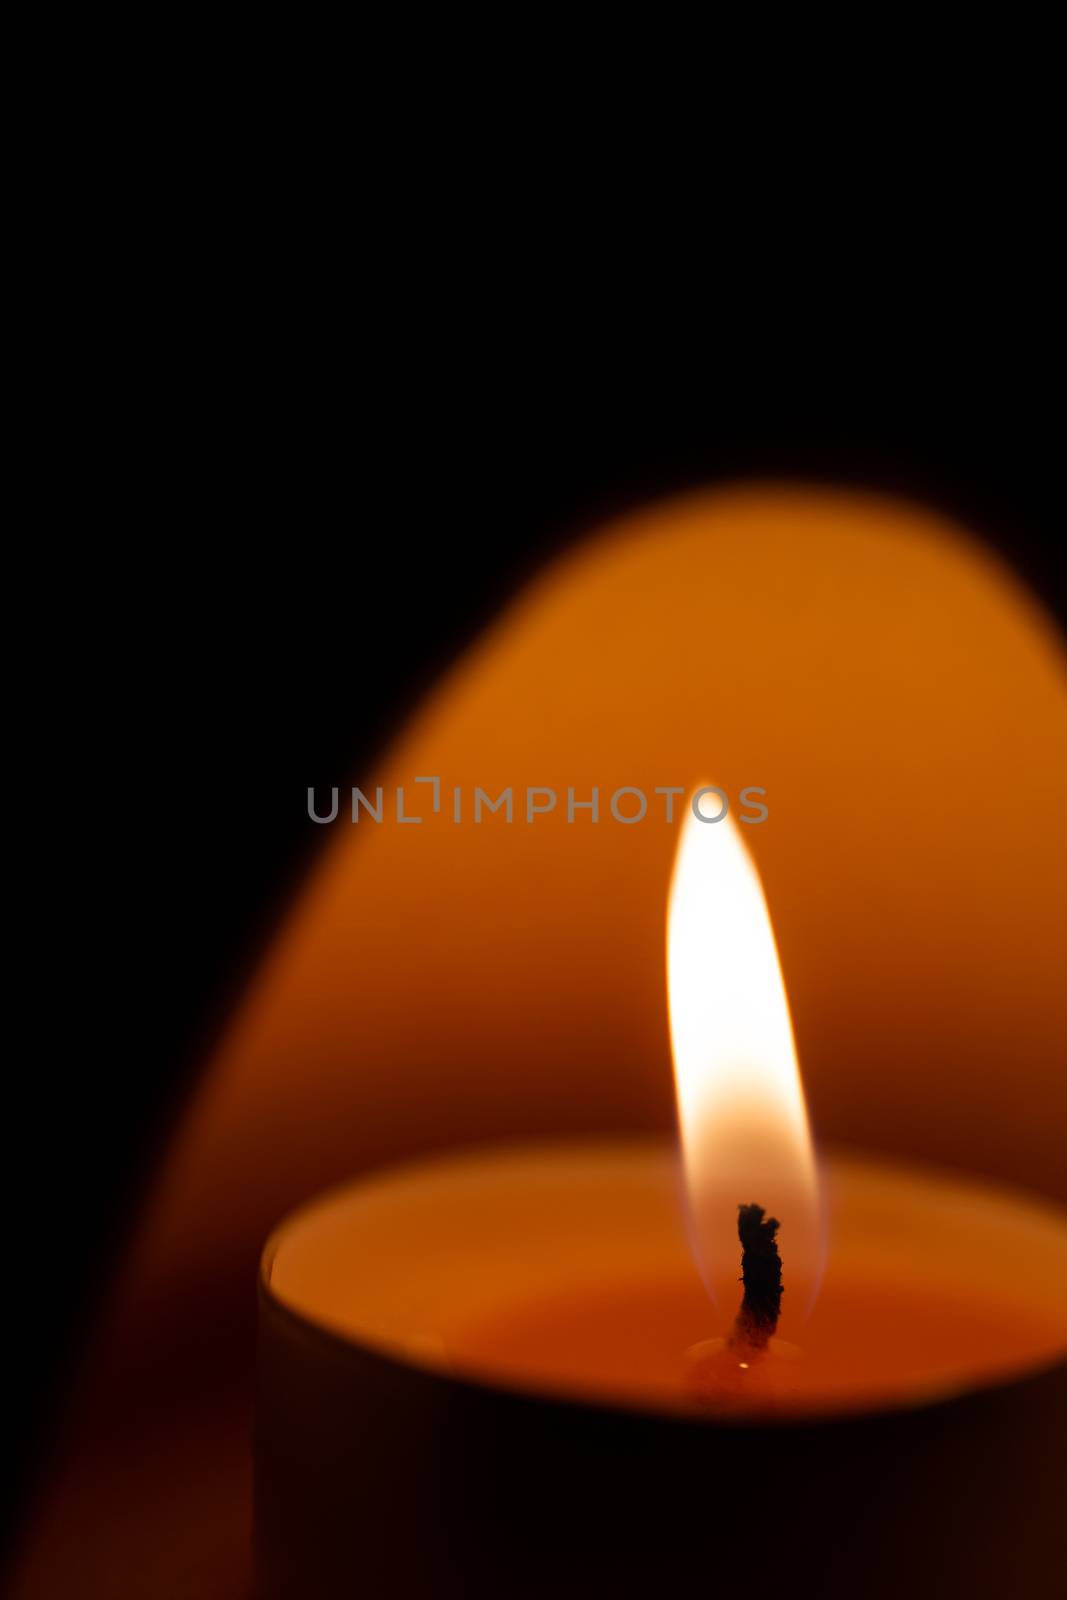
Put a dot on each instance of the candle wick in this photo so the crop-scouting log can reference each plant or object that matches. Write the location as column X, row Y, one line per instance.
column 761, row 1274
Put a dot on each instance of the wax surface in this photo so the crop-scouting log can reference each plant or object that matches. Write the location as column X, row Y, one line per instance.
column 564, row 1269
column 865, row 1343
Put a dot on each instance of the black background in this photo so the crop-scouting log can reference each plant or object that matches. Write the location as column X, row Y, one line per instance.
column 280, row 544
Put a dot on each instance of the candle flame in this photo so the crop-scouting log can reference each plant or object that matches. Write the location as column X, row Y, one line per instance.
column 741, row 1113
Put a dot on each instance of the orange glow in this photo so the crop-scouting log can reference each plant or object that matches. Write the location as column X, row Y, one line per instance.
column 863, row 659
column 741, row 1112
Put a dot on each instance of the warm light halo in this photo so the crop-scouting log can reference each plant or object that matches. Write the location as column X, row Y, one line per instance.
column 742, row 1118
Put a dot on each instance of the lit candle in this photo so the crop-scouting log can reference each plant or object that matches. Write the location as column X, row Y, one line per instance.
column 607, row 1274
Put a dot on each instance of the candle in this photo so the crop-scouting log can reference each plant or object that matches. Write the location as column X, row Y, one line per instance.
column 603, row 1277
column 564, row 1268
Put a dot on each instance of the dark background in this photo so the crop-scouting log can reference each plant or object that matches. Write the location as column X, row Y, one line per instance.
column 283, row 544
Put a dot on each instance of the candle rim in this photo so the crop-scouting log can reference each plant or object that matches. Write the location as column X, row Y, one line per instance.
column 475, row 1160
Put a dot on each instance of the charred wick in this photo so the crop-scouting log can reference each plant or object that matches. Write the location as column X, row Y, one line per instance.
column 761, row 1274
